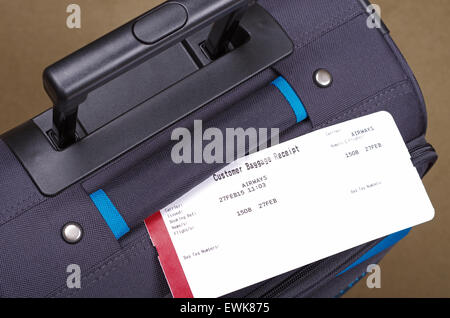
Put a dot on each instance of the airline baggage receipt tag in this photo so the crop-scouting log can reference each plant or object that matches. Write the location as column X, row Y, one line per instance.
column 288, row 206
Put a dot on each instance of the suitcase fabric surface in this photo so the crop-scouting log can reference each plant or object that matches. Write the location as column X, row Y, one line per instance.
column 369, row 75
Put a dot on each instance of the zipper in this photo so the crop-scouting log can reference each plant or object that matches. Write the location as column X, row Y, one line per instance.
column 416, row 153
column 291, row 280
column 307, row 269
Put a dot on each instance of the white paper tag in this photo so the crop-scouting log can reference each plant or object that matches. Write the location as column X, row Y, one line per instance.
column 291, row 205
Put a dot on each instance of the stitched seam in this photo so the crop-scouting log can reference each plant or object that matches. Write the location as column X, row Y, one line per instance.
column 93, row 272
column 28, row 206
column 349, row 286
column 400, row 85
column 14, row 206
column 121, row 255
column 374, row 106
column 113, row 269
column 337, row 16
column 334, row 23
column 407, row 71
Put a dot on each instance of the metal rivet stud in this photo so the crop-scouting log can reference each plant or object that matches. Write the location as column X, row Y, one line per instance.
column 323, row 78
column 72, row 232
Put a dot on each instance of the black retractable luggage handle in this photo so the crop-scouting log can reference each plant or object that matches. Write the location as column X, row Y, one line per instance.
column 52, row 156
column 70, row 80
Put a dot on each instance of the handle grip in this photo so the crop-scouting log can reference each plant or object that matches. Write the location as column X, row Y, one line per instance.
column 70, row 80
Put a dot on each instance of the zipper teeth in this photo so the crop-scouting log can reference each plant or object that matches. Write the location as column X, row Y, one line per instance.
column 415, row 153
column 308, row 269
column 292, row 279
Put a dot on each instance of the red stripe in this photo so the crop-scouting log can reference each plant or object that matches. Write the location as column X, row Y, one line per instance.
column 168, row 257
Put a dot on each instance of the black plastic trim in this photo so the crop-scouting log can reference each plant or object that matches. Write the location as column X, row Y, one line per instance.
column 53, row 171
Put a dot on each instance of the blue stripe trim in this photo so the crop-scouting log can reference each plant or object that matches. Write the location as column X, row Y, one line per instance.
column 109, row 212
column 380, row 247
column 292, row 98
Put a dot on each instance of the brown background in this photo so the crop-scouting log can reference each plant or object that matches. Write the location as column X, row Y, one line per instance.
column 33, row 35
